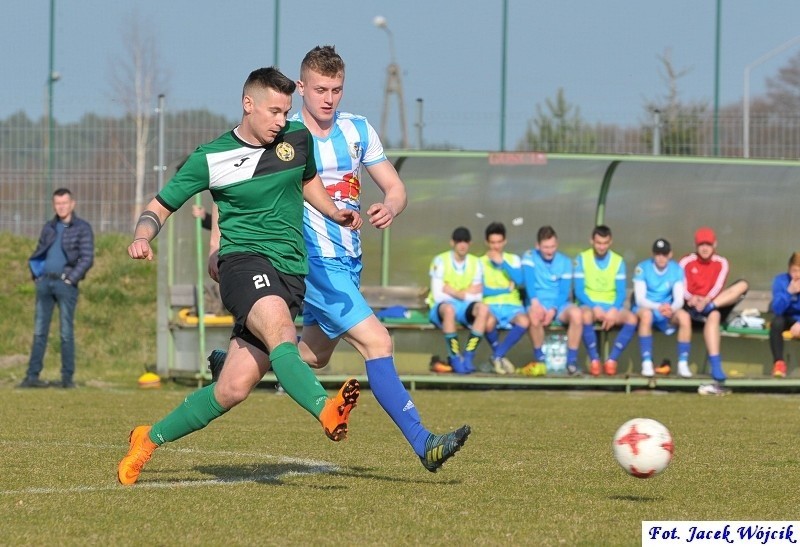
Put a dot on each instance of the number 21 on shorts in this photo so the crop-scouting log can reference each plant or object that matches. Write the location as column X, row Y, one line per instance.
column 261, row 281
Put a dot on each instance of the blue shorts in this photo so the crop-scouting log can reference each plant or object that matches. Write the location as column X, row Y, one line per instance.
column 333, row 299
column 660, row 322
column 505, row 314
column 463, row 315
column 605, row 306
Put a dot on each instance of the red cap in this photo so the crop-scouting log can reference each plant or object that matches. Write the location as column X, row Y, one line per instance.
column 705, row 235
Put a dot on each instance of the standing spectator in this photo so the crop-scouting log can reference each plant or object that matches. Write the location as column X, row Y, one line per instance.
column 548, row 284
column 706, row 299
column 198, row 211
column 600, row 285
column 502, row 277
column 658, row 291
column 786, row 307
column 455, row 298
column 64, row 254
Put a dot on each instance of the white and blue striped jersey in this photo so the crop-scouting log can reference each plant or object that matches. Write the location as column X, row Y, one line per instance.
column 352, row 142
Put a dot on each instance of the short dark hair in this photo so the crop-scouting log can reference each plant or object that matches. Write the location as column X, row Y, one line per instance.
column 496, row 228
column 62, row 192
column 545, row 232
column 271, row 78
column 601, row 230
column 461, row 234
column 323, row 60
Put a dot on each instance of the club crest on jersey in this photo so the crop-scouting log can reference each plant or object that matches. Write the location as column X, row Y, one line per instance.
column 284, row 151
column 355, row 150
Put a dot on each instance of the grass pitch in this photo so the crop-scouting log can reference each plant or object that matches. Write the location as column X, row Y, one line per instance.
column 537, row 470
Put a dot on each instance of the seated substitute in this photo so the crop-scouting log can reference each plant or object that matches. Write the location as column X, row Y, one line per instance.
column 706, row 299
column 786, row 307
column 548, row 284
column 658, row 302
column 502, row 277
column 600, row 280
column 455, row 298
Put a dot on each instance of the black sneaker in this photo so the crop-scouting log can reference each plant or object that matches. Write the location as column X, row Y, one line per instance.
column 67, row 384
column 33, row 382
column 440, row 448
column 215, row 362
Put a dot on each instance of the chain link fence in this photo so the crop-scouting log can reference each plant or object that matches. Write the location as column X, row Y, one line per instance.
column 95, row 157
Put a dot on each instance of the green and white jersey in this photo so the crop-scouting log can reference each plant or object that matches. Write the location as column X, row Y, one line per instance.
column 259, row 191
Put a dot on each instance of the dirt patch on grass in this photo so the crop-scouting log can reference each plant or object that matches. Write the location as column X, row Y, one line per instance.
column 11, row 361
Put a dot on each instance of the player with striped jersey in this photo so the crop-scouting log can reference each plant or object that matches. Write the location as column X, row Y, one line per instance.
column 334, row 306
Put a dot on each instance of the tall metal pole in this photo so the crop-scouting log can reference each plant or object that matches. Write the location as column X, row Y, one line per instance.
column 716, row 79
column 419, row 123
column 503, row 77
column 50, row 80
column 394, row 85
column 746, row 96
column 276, row 32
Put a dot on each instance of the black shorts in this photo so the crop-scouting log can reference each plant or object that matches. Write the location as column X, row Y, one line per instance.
column 699, row 317
column 724, row 312
column 244, row 279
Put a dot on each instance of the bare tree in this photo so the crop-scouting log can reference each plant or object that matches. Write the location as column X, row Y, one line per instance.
column 681, row 121
column 136, row 78
column 784, row 89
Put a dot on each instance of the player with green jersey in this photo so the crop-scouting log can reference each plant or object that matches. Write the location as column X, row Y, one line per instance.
column 259, row 174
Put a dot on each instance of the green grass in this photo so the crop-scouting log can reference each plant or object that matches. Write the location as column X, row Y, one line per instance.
column 114, row 321
column 537, row 470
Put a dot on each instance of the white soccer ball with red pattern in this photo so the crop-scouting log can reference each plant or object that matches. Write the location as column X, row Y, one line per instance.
column 643, row 447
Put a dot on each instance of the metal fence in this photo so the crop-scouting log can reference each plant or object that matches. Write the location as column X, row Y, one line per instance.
column 95, row 157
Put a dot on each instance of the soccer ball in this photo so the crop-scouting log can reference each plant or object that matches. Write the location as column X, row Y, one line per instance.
column 643, row 447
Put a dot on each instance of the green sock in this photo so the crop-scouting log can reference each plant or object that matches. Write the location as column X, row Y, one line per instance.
column 297, row 378
column 196, row 411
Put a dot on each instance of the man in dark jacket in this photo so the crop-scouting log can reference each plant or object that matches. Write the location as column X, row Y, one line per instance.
column 64, row 254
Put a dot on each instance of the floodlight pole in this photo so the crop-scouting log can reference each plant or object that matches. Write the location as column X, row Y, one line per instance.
column 276, row 33
column 746, row 97
column 716, row 78
column 52, row 77
column 394, row 85
column 503, row 61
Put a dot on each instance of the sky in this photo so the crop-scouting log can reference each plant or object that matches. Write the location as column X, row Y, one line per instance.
column 605, row 56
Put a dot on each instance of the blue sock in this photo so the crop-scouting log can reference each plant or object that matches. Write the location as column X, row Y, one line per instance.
column 590, row 341
column 538, row 355
column 572, row 355
column 395, row 400
column 646, row 347
column 716, row 368
column 683, row 351
column 511, row 338
column 621, row 342
column 493, row 337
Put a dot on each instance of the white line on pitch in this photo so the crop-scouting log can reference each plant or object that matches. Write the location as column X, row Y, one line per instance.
column 313, row 467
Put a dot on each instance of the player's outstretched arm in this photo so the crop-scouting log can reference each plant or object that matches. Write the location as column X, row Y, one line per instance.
column 381, row 215
column 147, row 228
